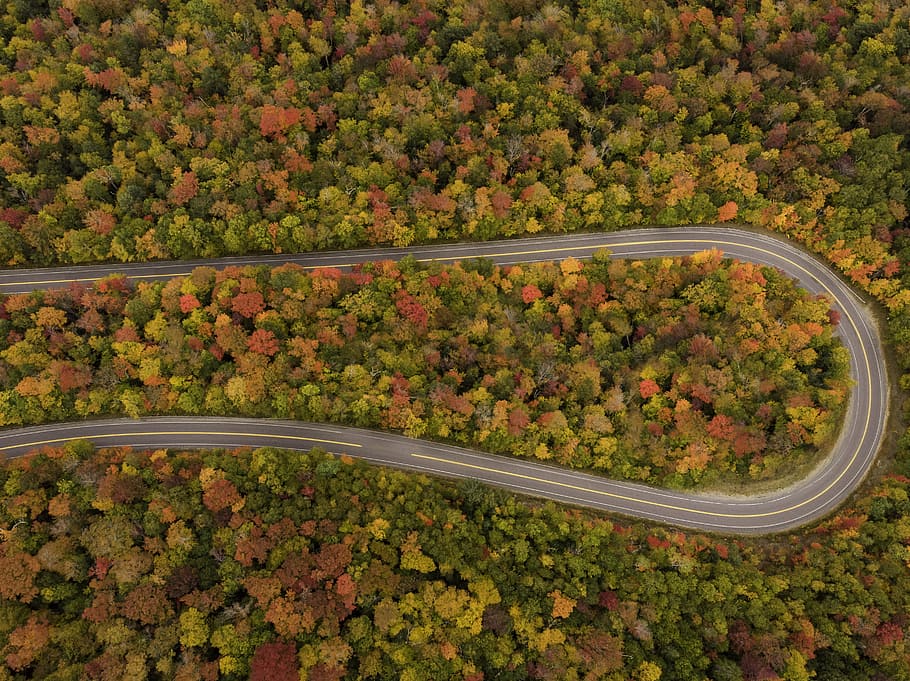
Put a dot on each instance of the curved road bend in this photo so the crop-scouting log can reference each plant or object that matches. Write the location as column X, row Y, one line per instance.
column 815, row 496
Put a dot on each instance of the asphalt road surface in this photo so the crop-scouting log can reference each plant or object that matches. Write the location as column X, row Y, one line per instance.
column 815, row 496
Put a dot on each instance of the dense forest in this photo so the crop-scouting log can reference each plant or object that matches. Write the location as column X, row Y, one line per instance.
column 136, row 130
column 276, row 566
column 668, row 371
column 180, row 128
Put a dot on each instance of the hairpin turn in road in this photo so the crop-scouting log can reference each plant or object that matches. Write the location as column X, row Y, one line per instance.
column 819, row 493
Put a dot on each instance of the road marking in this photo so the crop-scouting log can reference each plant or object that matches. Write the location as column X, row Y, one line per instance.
column 721, row 241
column 589, row 490
column 798, row 267
column 298, row 438
column 448, row 258
column 579, row 488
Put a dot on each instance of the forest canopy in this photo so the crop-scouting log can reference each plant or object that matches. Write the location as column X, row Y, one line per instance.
column 282, row 566
column 151, row 129
column 179, row 128
column 679, row 372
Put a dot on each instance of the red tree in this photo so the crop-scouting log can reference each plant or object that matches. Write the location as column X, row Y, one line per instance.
column 248, row 304
column 275, row 662
column 530, row 293
column 263, row 341
column 648, row 388
column 410, row 308
column 188, row 303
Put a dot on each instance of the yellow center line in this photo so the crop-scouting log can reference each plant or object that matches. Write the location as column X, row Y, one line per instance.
column 579, row 488
column 446, row 258
column 824, row 491
column 865, row 431
column 576, row 488
column 182, row 432
column 565, row 249
column 75, row 280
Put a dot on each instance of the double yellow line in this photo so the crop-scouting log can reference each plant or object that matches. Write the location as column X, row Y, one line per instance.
column 773, row 256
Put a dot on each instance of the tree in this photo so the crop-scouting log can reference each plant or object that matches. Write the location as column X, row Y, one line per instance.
column 276, row 661
column 194, row 630
column 27, row 642
column 248, row 304
column 263, row 341
column 562, row 605
column 648, row 671
column 17, row 574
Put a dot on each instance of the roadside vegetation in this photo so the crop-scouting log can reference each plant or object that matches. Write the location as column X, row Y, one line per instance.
column 280, row 566
column 154, row 129
column 151, row 129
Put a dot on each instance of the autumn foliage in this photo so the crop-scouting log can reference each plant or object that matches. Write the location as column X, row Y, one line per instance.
column 246, row 565
column 135, row 133
column 275, row 662
column 683, row 372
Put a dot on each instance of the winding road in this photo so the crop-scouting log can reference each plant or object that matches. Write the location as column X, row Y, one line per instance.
column 815, row 496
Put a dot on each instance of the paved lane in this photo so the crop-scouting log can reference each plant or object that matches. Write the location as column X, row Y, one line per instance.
column 818, row 494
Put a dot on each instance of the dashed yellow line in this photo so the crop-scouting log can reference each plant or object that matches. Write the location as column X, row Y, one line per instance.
column 658, row 504
column 297, row 438
column 446, row 258
column 599, row 492
column 576, row 488
column 529, row 252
